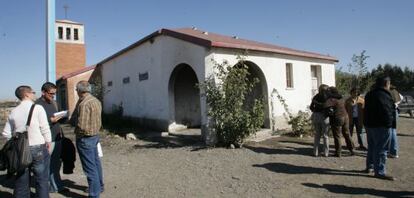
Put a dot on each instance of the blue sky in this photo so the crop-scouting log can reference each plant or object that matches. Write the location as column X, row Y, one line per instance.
column 385, row 29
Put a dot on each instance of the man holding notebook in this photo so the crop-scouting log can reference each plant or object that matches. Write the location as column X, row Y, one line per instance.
column 49, row 104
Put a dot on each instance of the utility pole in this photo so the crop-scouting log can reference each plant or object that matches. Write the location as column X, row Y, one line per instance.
column 50, row 42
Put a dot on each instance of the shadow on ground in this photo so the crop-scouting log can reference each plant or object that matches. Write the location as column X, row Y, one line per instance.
column 287, row 150
column 404, row 135
column 342, row 189
column 278, row 146
column 8, row 182
column 172, row 140
column 72, row 185
column 293, row 169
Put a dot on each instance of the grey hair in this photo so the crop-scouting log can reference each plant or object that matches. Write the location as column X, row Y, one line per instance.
column 83, row 86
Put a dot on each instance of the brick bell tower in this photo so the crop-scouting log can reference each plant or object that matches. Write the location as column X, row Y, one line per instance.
column 70, row 47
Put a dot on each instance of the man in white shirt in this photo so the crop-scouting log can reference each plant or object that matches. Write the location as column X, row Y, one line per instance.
column 39, row 137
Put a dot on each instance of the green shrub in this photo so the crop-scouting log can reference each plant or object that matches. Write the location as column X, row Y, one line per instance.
column 301, row 124
column 233, row 118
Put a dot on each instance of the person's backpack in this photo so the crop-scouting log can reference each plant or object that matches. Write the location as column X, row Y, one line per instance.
column 16, row 155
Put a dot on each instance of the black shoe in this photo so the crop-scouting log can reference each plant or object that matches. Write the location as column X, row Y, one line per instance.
column 362, row 148
column 63, row 190
column 385, row 177
column 352, row 153
column 337, row 155
column 393, row 156
column 87, row 189
column 369, row 170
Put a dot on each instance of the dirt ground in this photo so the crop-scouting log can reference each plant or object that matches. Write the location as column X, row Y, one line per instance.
column 178, row 166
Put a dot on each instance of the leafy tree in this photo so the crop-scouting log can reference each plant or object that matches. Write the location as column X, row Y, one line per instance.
column 343, row 81
column 403, row 79
column 358, row 69
column 226, row 93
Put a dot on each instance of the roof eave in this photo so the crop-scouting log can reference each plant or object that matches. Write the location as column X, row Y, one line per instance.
column 143, row 40
column 260, row 49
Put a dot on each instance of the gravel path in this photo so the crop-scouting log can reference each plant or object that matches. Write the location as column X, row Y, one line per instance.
column 277, row 167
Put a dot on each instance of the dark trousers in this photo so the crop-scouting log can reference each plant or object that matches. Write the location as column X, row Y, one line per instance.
column 341, row 125
column 378, row 145
column 40, row 169
column 361, row 135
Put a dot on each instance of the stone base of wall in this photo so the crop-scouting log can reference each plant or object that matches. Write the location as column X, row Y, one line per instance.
column 280, row 123
column 147, row 123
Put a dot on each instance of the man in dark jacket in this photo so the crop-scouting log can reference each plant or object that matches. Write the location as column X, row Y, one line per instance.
column 379, row 114
column 49, row 104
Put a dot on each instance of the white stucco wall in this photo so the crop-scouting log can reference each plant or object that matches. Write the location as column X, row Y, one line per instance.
column 274, row 68
column 148, row 98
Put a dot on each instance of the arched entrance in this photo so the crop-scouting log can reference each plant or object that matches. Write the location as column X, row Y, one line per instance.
column 184, row 97
column 259, row 90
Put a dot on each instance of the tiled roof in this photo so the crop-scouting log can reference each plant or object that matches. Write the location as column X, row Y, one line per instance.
column 210, row 40
column 77, row 72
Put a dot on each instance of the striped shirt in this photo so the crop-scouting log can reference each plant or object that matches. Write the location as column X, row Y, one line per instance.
column 87, row 116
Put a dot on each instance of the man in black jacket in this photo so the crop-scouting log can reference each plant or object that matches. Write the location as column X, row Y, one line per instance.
column 49, row 104
column 379, row 114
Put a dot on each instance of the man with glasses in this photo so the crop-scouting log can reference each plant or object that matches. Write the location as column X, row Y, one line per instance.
column 49, row 104
column 39, row 142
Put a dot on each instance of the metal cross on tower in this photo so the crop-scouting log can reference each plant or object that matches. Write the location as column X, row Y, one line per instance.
column 66, row 7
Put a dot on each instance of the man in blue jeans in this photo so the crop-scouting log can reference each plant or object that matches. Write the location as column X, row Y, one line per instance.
column 39, row 142
column 49, row 104
column 87, row 121
column 379, row 114
column 397, row 97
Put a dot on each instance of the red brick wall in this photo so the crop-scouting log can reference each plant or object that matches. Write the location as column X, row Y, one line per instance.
column 72, row 97
column 69, row 58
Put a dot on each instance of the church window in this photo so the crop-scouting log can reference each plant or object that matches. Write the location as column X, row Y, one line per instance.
column 76, row 34
column 68, row 33
column 289, row 75
column 60, row 32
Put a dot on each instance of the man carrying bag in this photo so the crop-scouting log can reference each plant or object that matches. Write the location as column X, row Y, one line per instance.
column 38, row 137
column 16, row 150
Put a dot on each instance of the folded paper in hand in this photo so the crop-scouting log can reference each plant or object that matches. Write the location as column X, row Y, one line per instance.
column 61, row 114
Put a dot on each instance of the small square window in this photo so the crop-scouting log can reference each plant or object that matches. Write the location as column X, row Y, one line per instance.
column 109, row 83
column 125, row 80
column 143, row 76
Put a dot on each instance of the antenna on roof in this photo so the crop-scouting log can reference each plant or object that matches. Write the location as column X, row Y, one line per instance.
column 66, row 7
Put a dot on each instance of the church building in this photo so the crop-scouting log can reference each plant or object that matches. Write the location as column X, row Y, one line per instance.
column 154, row 80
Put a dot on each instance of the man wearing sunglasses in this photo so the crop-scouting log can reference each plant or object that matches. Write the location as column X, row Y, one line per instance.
column 49, row 104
